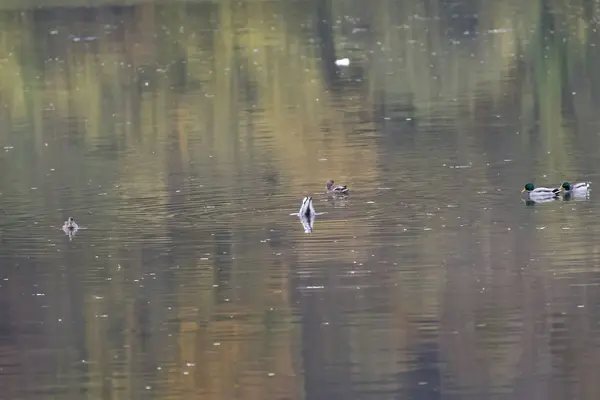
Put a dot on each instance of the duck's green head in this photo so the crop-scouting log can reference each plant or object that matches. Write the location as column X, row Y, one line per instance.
column 566, row 185
column 528, row 187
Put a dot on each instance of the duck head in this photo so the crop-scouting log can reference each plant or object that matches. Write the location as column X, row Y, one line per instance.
column 528, row 187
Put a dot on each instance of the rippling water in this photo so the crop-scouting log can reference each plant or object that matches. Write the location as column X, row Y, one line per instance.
column 181, row 137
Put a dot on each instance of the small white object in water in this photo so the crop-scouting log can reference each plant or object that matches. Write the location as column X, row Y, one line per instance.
column 342, row 62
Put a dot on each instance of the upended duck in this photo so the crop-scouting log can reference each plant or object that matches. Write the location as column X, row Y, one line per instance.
column 307, row 214
column 540, row 192
column 70, row 224
column 307, row 210
column 336, row 189
column 576, row 190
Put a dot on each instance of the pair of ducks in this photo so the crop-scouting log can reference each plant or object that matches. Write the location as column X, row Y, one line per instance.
column 568, row 190
column 307, row 210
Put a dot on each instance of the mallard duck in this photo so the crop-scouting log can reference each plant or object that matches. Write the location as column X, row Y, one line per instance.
column 540, row 192
column 578, row 189
column 307, row 209
column 70, row 224
column 331, row 188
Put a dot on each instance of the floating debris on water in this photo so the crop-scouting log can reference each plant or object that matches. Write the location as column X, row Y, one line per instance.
column 342, row 62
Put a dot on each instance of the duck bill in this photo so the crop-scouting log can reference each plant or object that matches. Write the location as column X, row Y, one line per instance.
column 523, row 190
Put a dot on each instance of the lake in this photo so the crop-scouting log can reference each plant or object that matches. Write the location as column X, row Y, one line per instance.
column 182, row 135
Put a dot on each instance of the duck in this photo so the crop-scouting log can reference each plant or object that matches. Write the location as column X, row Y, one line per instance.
column 576, row 190
column 307, row 210
column 336, row 189
column 70, row 224
column 540, row 192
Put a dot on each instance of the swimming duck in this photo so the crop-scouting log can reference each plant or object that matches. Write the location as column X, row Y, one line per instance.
column 578, row 189
column 70, row 224
column 307, row 210
column 331, row 188
column 540, row 192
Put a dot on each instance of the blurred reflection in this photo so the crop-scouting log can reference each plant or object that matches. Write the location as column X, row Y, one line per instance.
column 183, row 129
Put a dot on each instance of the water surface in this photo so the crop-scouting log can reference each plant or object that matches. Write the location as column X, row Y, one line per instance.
column 181, row 136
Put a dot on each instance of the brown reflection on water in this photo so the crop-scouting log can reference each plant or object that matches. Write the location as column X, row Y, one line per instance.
column 181, row 137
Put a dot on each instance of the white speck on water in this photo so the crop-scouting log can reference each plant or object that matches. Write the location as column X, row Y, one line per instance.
column 271, row 374
column 580, row 306
column 216, row 343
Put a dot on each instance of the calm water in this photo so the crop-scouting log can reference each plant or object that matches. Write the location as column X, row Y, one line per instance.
column 182, row 136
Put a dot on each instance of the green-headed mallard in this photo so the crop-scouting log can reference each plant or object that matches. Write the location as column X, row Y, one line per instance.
column 578, row 189
column 540, row 192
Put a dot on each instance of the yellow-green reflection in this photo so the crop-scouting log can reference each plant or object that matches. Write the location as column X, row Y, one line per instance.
column 217, row 89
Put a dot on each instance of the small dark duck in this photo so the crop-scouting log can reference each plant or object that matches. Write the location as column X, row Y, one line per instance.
column 336, row 189
column 70, row 224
